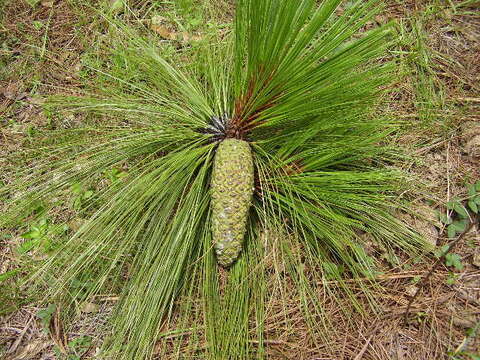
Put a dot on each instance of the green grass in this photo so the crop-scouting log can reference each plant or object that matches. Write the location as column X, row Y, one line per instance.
column 432, row 73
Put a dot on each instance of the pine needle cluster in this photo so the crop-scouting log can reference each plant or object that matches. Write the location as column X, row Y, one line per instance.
column 295, row 80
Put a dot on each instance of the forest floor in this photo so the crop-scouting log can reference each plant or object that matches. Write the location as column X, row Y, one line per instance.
column 47, row 47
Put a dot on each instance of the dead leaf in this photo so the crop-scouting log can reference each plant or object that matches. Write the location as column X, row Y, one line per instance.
column 36, row 100
column 472, row 147
column 380, row 19
column 166, row 33
column 32, row 349
column 56, row 331
column 76, row 223
column 89, row 307
column 11, row 91
column 476, row 259
column 163, row 32
column 425, row 222
column 464, row 322
column 47, row 3
column 411, row 290
column 37, row 256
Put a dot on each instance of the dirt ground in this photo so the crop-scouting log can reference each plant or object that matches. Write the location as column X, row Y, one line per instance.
column 437, row 98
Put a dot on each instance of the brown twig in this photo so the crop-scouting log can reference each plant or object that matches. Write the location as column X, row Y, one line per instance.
column 440, row 260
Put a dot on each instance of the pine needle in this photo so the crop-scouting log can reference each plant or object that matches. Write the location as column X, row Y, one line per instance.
column 296, row 81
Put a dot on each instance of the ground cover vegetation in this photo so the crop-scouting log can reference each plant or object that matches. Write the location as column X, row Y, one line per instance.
column 363, row 134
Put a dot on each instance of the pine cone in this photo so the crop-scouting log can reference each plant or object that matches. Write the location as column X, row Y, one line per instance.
column 232, row 189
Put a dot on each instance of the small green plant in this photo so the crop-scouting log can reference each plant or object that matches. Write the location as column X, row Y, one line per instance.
column 45, row 316
column 416, row 279
column 451, row 259
column 36, row 236
column 115, row 175
column 457, row 217
column 76, row 348
column 332, row 271
column 455, row 260
column 420, row 317
column 42, row 235
column 38, row 24
column 460, row 223
column 452, row 278
column 81, row 196
column 191, row 13
column 461, row 353
column 473, row 199
column 33, row 3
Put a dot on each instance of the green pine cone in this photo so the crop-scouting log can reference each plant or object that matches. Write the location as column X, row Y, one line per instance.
column 232, row 189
